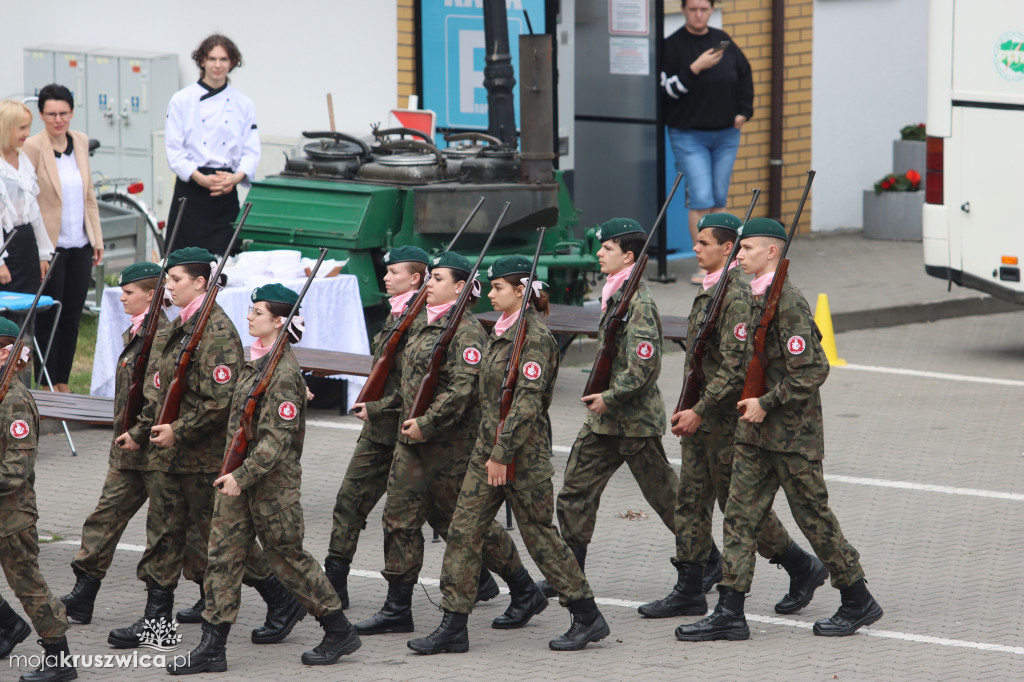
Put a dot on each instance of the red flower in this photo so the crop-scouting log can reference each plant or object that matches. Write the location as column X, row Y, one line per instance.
column 913, row 176
column 886, row 183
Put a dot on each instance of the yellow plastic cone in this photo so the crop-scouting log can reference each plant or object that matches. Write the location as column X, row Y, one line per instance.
column 823, row 318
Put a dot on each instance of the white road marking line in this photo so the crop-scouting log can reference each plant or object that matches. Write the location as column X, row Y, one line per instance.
column 334, row 425
column 934, row 375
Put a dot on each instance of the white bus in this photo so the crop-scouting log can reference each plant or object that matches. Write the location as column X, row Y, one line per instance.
column 973, row 223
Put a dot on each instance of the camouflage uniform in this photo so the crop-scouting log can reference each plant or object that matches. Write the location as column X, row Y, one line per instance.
column 707, row 455
column 629, row 431
column 19, row 543
column 269, row 504
column 426, row 475
column 785, row 450
column 526, row 439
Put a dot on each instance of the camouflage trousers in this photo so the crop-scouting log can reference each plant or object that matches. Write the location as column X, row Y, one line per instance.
column 533, row 508
column 178, row 531
column 365, row 483
column 757, row 475
column 124, row 493
column 593, row 460
column 274, row 515
column 423, row 485
column 704, row 479
column 19, row 556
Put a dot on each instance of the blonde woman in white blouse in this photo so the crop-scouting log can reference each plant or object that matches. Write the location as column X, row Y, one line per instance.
column 19, row 210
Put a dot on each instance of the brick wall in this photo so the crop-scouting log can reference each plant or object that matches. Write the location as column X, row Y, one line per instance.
column 406, row 52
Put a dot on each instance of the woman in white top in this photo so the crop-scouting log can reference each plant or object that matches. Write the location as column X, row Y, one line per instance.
column 28, row 256
column 212, row 145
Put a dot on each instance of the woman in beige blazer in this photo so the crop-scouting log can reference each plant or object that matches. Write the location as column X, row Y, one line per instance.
column 68, row 206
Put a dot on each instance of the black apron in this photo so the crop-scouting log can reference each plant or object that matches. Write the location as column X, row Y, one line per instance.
column 208, row 220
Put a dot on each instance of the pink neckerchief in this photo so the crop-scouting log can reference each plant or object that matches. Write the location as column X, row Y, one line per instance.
column 711, row 279
column 613, row 283
column 506, row 322
column 257, row 350
column 759, row 285
column 137, row 322
column 436, row 312
column 400, row 302
column 190, row 310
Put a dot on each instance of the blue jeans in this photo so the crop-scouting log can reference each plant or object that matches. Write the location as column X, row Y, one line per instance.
column 705, row 158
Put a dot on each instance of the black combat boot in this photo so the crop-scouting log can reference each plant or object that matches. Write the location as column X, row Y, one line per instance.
column 283, row 612
column 337, row 573
column 394, row 616
column 527, row 602
column 450, row 637
column 209, row 657
column 581, row 558
column 80, row 600
column 57, row 665
column 713, row 569
column 806, row 574
column 858, row 608
column 486, row 588
column 13, row 629
column 725, row 622
column 193, row 614
column 158, row 608
column 588, row 625
column 686, row 598
column 340, row 639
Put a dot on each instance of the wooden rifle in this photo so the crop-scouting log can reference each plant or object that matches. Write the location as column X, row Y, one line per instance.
column 694, row 380
column 373, row 389
column 425, row 395
column 10, row 367
column 600, row 373
column 515, row 354
column 133, row 404
column 235, row 455
column 754, row 385
column 176, row 387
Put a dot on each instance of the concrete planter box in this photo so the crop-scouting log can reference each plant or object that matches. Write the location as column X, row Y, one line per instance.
column 893, row 215
column 906, row 155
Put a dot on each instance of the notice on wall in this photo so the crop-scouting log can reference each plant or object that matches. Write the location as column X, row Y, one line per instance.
column 629, row 56
column 628, row 17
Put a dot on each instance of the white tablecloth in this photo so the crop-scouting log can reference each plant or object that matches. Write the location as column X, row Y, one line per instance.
column 332, row 308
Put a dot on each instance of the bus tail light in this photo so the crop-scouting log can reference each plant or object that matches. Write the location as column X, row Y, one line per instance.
column 934, row 162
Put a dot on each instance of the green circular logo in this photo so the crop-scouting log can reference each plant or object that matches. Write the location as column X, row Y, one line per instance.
column 1009, row 55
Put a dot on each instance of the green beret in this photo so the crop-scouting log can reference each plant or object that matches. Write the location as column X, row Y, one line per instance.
column 509, row 265
column 137, row 271
column 762, row 227
column 274, row 293
column 191, row 254
column 9, row 327
column 452, row 260
column 406, row 254
column 616, row 227
column 724, row 220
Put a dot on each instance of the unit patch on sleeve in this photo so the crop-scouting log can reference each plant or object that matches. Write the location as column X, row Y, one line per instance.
column 796, row 345
column 471, row 355
column 287, row 410
column 222, row 374
column 531, row 370
column 19, row 428
column 645, row 350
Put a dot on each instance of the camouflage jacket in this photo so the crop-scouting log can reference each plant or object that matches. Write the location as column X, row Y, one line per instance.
column 20, row 422
column 132, row 459
column 382, row 425
column 279, row 428
column 635, row 405
column 527, row 433
column 797, row 367
column 455, row 410
column 203, row 414
column 723, row 356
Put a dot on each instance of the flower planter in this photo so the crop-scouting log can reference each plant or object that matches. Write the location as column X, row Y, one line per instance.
column 906, row 155
column 893, row 215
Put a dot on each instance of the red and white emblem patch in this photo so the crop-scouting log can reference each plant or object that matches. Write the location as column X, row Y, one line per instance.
column 222, row 374
column 740, row 331
column 531, row 370
column 471, row 356
column 796, row 345
column 644, row 350
column 19, row 428
column 286, row 410
column 156, row 379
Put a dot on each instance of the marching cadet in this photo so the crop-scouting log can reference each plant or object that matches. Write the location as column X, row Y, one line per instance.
column 707, row 440
column 19, row 542
column 261, row 499
column 433, row 450
column 780, row 443
column 626, row 422
column 184, row 456
column 526, row 441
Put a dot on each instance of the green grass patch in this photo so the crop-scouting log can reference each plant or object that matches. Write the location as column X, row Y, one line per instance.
column 81, row 369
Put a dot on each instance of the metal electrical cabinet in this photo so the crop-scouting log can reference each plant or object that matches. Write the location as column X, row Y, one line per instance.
column 64, row 64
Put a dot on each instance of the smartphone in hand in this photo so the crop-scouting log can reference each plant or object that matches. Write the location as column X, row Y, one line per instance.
column 722, row 45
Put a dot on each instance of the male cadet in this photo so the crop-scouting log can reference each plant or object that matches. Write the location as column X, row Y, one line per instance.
column 626, row 422
column 780, row 443
column 707, row 440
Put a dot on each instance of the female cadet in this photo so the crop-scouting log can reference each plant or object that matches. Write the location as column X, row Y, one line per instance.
column 433, row 450
column 526, row 441
column 261, row 499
